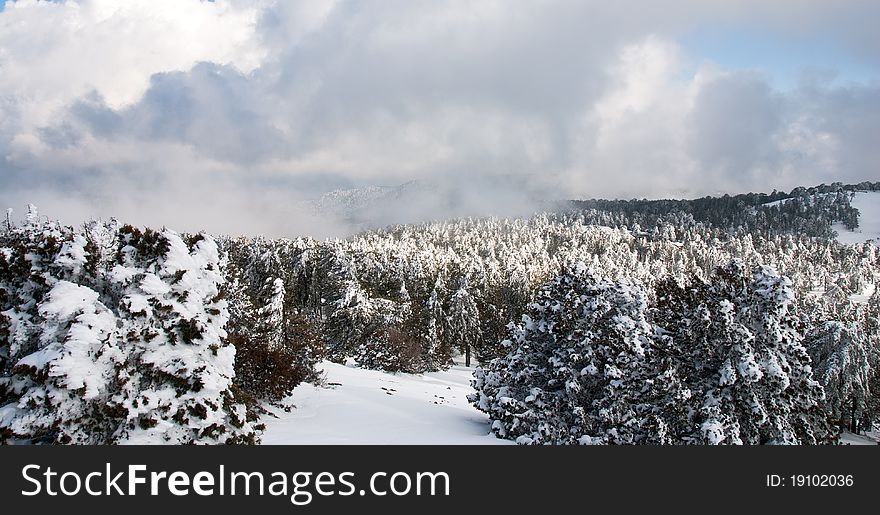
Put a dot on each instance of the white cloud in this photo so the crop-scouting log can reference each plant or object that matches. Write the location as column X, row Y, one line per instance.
column 225, row 114
column 52, row 53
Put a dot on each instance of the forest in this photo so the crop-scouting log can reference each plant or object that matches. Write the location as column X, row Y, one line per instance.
column 720, row 320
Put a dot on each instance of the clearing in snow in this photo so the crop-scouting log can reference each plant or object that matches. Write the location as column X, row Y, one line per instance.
column 358, row 406
column 868, row 204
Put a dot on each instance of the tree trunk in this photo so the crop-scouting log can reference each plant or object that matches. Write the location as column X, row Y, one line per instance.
column 467, row 355
column 852, row 420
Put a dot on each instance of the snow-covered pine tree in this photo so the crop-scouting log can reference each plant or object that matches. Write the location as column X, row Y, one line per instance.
column 463, row 322
column 843, row 361
column 57, row 339
column 438, row 350
column 575, row 366
column 395, row 342
column 62, row 391
column 727, row 366
column 501, row 304
column 871, row 327
column 277, row 346
column 740, row 354
column 271, row 320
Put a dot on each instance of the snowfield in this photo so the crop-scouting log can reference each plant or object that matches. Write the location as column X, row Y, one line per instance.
column 869, row 438
column 358, row 406
column 868, row 204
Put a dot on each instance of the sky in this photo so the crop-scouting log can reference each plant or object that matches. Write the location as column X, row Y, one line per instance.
column 232, row 115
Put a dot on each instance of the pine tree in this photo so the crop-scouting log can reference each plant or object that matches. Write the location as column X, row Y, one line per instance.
column 277, row 347
column 177, row 387
column 574, row 366
column 463, row 322
column 438, row 351
column 743, row 358
column 722, row 363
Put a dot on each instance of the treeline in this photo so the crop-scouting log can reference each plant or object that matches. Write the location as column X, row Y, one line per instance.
column 110, row 333
column 802, row 212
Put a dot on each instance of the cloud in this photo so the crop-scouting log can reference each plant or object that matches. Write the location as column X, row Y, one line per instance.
column 213, row 108
column 731, row 126
column 53, row 52
column 231, row 115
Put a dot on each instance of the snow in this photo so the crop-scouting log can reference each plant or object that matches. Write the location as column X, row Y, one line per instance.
column 67, row 299
column 359, row 406
column 866, row 294
column 73, row 254
column 154, row 285
column 713, row 430
column 869, row 438
column 868, row 204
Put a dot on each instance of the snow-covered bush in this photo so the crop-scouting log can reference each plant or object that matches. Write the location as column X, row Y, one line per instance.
column 125, row 347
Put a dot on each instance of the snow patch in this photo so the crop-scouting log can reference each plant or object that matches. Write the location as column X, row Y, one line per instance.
column 360, row 406
column 868, row 204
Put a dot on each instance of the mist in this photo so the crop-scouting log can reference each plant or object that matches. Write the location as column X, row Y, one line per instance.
column 237, row 117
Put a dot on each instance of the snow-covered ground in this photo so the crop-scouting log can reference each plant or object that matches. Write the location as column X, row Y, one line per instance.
column 866, row 294
column 868, row 204
column 869, row 438
column 359, row 406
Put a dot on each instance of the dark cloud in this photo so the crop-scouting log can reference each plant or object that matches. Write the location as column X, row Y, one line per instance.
column 215, row 109
column 732, row 125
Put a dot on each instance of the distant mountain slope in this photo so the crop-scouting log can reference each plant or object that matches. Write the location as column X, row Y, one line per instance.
column 349, row 203
column 420, row 201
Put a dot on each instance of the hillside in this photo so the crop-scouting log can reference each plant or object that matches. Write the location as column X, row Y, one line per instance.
column 868, row 204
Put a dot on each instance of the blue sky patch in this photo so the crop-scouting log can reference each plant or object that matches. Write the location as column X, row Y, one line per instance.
column 784, row 60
